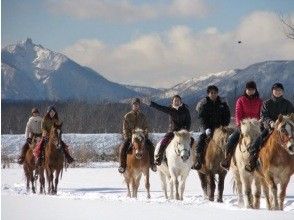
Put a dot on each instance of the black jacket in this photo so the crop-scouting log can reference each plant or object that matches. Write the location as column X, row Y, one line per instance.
column 273, row 107
column 178, row 118
column 213, row 114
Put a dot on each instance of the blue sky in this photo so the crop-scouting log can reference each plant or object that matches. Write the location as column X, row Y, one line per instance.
column 145, row 26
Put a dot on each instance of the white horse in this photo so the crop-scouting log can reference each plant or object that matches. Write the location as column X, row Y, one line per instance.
column 248, row 184
column 180, row 158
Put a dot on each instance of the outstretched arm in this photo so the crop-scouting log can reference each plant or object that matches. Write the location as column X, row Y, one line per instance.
column 165, row 109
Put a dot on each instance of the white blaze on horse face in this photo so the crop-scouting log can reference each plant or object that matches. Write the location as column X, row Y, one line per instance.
column 290, row 143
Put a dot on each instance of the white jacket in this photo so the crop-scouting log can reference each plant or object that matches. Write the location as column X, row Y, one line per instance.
column 33, row 126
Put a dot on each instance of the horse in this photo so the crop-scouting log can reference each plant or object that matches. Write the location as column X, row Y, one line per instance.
column 214, row 154
column 29, row 166
column 244, row 181
column 54, row 157
column 277, row 161
column 178, row 165
column 138, row 163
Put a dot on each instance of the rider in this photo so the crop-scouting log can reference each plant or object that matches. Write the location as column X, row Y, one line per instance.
column 33, row 129
column 271, row 109
column 213, row 112
column 247, row 106
column 132, row 120
column 48, row 121
column 179, row 117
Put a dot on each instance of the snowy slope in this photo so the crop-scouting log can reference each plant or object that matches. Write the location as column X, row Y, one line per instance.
column 99, row 193
column 32, row 72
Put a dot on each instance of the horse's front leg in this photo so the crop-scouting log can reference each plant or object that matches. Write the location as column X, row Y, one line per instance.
column 238, row 185
column 42, row 181
column 247, row 193
column 163, row 183
column 171, row 186
column 57, row 172
column 147, row 183
column 175, row 181
column 257, row 193
column 211, row 186
column 283, row 193
column 273, row 191
column 203, row 182
column 182, row 183
column 220, row 186
column 32, row 181
column 266, row 193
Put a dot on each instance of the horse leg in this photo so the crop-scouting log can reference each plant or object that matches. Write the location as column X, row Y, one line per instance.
column 176, row 185
column 257, row 192
column 147, row 183
column 283, row 193
column 127, row 180
column 266, row 193
column 57, row 172
column 49, row 180
column 171, row 186
column 182, row 183
column 273, row 191
column 220, row 186
column 133, row 186
column 247, row 193
column 32, row 180
column 203, row 182
column 238, row 185
column 211, row 186
column 27, row 177
column 137, row 184
column 163, row 183
column 42, row 181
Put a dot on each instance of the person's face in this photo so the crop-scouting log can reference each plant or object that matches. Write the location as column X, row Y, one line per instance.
column 52, row 113
column 177, row 102
column 36, row 114
column 277, row 92
column 136, row 107
column 250, row 91
column 213, row 95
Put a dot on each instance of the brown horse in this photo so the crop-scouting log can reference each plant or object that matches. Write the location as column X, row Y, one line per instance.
column 137, row 164
column 29, row 166
column 277, row 161
column 215, row 153
column 54, row 158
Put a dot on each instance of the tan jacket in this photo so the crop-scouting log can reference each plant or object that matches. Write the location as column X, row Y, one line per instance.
column 33, row 126
column 46, row 126
column 133, row 120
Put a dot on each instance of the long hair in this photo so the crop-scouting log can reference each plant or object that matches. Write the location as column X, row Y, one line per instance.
column 47, row 116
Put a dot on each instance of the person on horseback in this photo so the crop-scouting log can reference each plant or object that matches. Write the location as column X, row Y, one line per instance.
column 48, row 121
column 33, row 129
column 213, row 112
column 271, row 109
column 247, row 106
column 132, row 120
column 179, row 118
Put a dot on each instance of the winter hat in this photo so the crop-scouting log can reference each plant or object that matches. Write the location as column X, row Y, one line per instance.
column 211, row 88
column 278, row 86
column 136, row 101
column 51, row 107
column 251, row 85
column 35, row 110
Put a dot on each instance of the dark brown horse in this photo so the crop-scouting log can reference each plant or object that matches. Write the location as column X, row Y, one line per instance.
column 277, row 162
column 214, row 154
column 137, row 164
column 29, row 166
column 54, row 158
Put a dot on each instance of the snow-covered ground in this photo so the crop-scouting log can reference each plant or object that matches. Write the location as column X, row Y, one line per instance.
column 100, row 193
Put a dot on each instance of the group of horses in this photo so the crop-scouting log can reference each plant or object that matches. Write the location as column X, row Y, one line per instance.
column 52, row 164
column 276, row 164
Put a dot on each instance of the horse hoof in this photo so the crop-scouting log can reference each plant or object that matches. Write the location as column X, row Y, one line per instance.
column 219, row 200
column 211, row 199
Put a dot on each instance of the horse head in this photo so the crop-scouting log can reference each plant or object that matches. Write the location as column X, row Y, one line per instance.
column 285, row 126
column 250, row 127
column 56, row 134
column 138, row 142
column 182, row 141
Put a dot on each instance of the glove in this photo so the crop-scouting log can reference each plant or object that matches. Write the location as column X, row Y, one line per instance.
column 29, row 140
column 208, row 132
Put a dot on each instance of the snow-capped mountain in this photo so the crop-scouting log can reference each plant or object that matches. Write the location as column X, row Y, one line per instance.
column 232, row 83
column 32, row 72
column 147, row 91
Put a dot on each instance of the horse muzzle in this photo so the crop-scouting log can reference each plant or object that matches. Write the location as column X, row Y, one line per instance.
column 139, row 155
column 185, row 155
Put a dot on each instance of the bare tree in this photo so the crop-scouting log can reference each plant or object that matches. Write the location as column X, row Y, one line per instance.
column 288, row 26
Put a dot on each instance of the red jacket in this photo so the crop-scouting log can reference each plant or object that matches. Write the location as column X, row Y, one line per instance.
column 247, row 108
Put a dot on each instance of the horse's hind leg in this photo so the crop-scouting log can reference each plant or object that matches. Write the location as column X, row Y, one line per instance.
column 211, row 187
column 163, row 183
column 203, row 182
column 220, row 186
column 283, row 193
column 147, row 183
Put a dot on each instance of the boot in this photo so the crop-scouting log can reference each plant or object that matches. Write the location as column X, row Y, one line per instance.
column 22, row 156
column 200, row 152
column 123, row 156
column 198, row 163
column 150, row 148
column 164, row 143
column 252, row 163
column 227, row 161
column 68, row 158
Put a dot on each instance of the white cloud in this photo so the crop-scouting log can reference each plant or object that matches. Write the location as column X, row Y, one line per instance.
column 164, row 59
column 127, row 11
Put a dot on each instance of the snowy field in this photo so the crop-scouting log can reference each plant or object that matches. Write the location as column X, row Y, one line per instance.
column 100, row 193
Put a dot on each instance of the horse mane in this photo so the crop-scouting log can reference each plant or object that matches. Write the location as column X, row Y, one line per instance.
column 138, row 134
column 183, row 133
column 221, row 133
column 250, row 127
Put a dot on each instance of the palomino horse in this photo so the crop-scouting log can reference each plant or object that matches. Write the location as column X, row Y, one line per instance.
column 137, row 164
column 178, row 166
column 214, row 154
column 277, row 161
column 29, row 166
column 54, row 158
column 248, row 184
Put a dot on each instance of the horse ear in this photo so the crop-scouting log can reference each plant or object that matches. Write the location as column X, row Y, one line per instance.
column 176, row 133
